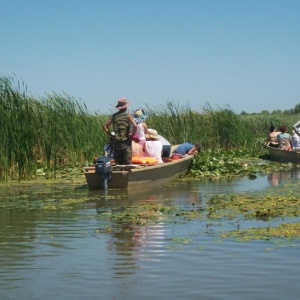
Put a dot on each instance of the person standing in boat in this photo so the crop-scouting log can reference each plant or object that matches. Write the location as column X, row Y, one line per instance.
column 296, row 140
column 272, row 138
column 140, row 117
column 124, row 127
column 284, row 138
column 296, row 128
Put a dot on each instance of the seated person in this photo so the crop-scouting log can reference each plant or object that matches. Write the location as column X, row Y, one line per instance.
column 166, row 146
column 153, row 147
column 187, row 148
column 272, row 138
column 284, row 138
column 137, row 149
column 296, row 140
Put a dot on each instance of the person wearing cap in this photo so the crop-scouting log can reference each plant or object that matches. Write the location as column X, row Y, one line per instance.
column 153, row 147
column 187, row 148
column 124, row 127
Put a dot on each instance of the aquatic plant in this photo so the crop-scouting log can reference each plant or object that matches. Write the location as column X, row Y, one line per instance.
column 222, row 163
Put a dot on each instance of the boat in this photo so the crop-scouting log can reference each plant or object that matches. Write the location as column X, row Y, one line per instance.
column 138, row 175
column 281, row 155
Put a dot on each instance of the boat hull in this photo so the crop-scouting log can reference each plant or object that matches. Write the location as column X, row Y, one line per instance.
column 284, row 155
column 140, row 176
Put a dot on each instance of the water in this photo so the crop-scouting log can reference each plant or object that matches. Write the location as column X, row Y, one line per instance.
column 65, row 254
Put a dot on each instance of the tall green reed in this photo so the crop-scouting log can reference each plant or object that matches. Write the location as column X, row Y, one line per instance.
column 219, row 128
column 260, row 123
column 56, row 129
column 17, row 134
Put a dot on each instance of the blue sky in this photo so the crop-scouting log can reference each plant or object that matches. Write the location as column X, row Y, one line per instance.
column 238, row 53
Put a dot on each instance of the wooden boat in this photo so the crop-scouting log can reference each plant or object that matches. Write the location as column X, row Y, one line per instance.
column 284, row 155
column 139, row 175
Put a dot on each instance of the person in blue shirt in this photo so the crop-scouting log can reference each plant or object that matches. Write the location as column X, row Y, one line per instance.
column 187, row 148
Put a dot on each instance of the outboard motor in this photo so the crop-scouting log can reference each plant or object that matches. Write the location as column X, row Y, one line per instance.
column 103, row 168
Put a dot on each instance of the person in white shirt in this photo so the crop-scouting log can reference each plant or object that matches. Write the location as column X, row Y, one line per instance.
column 295, row 140
column 153, row 147
column 296, row 128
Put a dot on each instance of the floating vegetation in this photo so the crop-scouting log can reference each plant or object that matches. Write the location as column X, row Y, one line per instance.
column 182, row 240
column 60, row 204
column 215, row 164
column 283, row 201
column 276, row 205
column 286, row 231
column 145, row 214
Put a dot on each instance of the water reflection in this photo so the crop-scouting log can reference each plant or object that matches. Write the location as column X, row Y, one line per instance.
column 129, row 242
column 41, row 249
column 276, row 178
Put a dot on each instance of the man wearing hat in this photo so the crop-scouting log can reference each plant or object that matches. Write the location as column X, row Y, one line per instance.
column 124, row 126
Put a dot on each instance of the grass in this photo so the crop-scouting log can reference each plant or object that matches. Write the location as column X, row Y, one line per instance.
column 57, row 131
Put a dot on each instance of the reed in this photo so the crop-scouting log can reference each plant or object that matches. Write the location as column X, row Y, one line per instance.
column 17, row 134
column 260, row 123
column 219, row 128
column 58, row 130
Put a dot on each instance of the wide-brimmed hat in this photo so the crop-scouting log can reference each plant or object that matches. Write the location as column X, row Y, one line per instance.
column 152, row 134
column 139, row 115
column 122, row 103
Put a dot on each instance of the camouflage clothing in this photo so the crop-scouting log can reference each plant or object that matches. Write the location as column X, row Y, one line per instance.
column 122, row 140
column 123, row 152
column 121, row 125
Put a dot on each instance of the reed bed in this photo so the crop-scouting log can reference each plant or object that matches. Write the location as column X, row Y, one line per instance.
column 54, row 131
column 260, row 123
column 219, row 128
column 58, row 131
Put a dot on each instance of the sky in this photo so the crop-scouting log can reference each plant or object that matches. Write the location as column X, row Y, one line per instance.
column 244, row 54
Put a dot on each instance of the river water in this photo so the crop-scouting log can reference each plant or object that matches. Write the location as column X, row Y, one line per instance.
column 66, row 254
